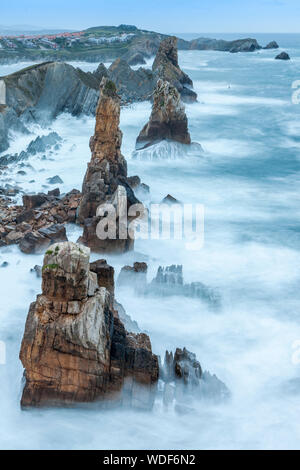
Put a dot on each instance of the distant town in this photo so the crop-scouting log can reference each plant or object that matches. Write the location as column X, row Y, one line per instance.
column 60, row 41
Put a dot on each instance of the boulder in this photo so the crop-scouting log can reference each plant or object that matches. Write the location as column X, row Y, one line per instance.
column 75, row 348
column 271, row 45
column 283, row 56
column 55, row 180
column 37, row 242
column 31, row 201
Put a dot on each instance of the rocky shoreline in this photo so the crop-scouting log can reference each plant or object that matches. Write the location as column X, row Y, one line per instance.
column 33, row 96
column 80, row 346
column 140, row 46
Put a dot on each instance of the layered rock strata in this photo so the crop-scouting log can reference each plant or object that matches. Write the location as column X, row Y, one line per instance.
column 167, row 121
column 166, row 67
column 184, row 383
column 105, row 181
column 75, row 348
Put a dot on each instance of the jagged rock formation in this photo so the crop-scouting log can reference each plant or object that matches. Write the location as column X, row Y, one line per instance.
column 75, row 348
column 166, row 67
column 166, row 134
column 184, row 382
column 134, row 276
column 41, row 92
column 168, row 282
column 37, row 223
column 132, row 85
column 41, row 144
column 8, row 122
column 167, row 121
column 283, row 56
column 106, row 178
column 106, row 278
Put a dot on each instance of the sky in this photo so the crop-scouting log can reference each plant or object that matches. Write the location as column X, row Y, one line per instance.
column 186, row 16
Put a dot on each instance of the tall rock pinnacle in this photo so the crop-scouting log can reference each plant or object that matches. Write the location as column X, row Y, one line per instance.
column 106, row 175
column 107, row 163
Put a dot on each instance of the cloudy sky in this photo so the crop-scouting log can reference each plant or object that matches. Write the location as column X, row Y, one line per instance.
column 159, row 15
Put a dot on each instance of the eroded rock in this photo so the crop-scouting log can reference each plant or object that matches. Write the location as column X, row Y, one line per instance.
column 75, row 348
column 105, row 181
column 166, row 67
column 168, row 120
column 184, row 383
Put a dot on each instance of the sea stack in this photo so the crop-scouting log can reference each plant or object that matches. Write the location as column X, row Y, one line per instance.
column 166, row 67
column 168, row 123
column 75, row 348
column 105, row 180
column 283, row 56
column 168, row 119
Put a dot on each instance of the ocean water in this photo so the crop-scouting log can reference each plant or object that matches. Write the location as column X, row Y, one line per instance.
column 248, row 181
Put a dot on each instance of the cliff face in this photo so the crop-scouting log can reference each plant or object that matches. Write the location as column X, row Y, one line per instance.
column 166, row 67
column 75, row 348
column 168, row 120
column 8, row 122
column 106, row 176
column 43, row 91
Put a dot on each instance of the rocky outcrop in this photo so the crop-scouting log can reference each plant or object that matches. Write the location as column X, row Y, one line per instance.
column 105, row 180
column 9, row 122
column 184, row 382
column 271, row 45
column 41, row 144
column 136, row 58
column 168, row 120
column 170, row 281
column 283, row 56
column 75, row 348
column 106, row 278
column 132, row 85
column 37, row 223
column 134, row 276
column 39, row 241
column 41, row 92
column 209, row 44
column 166, row 67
